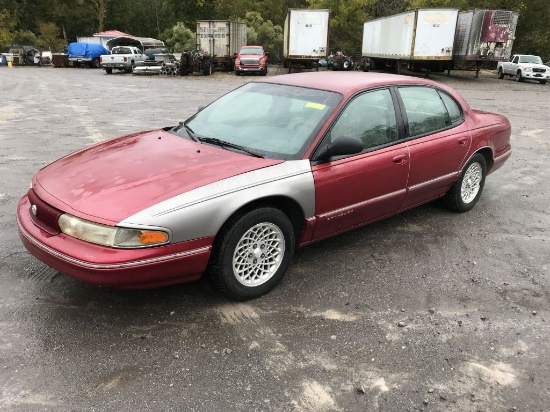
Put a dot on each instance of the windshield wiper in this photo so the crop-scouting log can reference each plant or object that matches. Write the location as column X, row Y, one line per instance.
column 222, row 143
column 189, row 131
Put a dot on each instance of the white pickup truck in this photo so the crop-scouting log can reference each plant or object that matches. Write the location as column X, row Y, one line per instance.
column 121, row 58
column 524, row 66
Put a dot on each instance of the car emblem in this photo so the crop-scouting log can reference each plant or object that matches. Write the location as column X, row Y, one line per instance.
column 34, row 210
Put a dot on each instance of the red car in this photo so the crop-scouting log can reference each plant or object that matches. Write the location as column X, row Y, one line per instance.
column 251, row 59
column 271, row 166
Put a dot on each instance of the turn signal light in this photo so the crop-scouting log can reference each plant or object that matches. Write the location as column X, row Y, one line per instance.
column 153, row 237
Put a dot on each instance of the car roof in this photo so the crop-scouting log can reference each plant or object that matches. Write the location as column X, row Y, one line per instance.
column 345, row 82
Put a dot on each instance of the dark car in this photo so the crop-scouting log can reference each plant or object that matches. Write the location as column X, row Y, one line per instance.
column 273, row 165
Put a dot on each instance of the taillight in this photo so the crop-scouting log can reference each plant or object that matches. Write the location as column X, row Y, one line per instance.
column 125, row 59
column 100, row 59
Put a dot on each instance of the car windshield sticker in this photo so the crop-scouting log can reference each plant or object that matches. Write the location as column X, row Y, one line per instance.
column 317, row 106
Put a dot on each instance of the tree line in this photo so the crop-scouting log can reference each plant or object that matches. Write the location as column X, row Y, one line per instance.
column 52, row 24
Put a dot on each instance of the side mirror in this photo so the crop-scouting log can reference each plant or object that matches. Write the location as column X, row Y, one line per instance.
column 344, row 145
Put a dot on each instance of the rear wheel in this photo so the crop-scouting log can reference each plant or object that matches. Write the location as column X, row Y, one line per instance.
column 500, row 74
column 466, row 191
column 252, row 253
column 108, row 70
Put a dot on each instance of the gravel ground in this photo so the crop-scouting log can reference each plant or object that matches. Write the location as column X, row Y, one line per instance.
column 426, row 311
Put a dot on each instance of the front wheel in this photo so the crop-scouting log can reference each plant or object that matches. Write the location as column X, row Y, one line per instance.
column 519, row 77
column 542, row 81
column 466, row 191
column 500, row 74
column 252, row 253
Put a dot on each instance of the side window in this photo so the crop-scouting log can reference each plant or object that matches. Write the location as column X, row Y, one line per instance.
column 454, row 110
column 425, row 110
column 516, row 59
column 370, row 117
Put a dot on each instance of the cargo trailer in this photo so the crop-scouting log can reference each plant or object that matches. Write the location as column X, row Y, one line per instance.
column 484, row 36
column 419, row 39
column 306, row 37
column 222, row 40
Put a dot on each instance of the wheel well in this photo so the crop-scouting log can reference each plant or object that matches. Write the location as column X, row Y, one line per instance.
column 287, row 205
column 487, row 153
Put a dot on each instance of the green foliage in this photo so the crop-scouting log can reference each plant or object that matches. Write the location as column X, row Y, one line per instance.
column 49, row 37
column 179, row 38
column 25, row 38
column 7, row 24
column 264, row 33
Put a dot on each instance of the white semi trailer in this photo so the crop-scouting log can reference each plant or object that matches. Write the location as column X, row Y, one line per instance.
column 419, row 39
column 306, row 37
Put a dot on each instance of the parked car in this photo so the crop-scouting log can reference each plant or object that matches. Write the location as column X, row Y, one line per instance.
column 273, row 165
column 85, row 54
column 251, row 59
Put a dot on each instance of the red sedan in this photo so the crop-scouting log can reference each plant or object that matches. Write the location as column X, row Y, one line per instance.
column 273, row 165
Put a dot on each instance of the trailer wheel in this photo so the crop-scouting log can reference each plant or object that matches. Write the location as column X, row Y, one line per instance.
column 207, row 68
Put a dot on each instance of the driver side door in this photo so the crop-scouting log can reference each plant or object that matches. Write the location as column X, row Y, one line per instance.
column 353, row 190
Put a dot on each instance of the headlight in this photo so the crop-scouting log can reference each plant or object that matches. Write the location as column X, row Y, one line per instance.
column 526, row 69
column 110, row 235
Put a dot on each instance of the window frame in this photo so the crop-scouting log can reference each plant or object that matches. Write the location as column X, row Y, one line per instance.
column 400, row 126
column 439, row 91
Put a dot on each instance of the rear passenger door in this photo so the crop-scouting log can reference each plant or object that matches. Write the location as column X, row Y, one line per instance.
column 438, row 139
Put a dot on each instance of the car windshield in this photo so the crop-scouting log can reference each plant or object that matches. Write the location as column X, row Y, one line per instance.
column 530, row 59
column 272, row 120
column 251, row 50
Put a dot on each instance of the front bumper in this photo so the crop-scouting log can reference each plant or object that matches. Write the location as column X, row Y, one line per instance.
column 105, row 266
column 250, row 69
column 535, row 76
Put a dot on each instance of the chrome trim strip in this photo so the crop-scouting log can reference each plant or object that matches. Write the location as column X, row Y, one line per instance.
column 359, row 204
column 428, row 182
column 57, row 254
column 507, row 153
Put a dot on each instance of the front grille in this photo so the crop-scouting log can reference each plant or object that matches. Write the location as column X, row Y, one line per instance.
column 46, row 216
column 250, row 62
column 538, row 70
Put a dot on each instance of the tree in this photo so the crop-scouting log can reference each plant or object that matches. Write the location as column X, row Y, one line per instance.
column 49, row 37
column 265, row 33
column 7, row 24
column 25, row 38
column 179, row 38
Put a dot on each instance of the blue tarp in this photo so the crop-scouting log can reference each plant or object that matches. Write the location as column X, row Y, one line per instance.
column 88, row 50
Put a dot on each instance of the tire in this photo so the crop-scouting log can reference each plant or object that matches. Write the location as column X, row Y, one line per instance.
column 238, row 73
column 345, row 65
column 243, row 244
column 542, row 81
column 519, row 77
column 108, row 70
column 207, row 68
column 466, row 191
column 500, row 74
column 131, row 68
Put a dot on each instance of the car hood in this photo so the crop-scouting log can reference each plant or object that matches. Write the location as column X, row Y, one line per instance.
column 118, row 178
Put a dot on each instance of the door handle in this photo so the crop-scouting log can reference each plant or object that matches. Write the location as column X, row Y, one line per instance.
column 400, row 160
column 463, row 141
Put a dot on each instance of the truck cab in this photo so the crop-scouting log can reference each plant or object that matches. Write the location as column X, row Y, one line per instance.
column 251, row 59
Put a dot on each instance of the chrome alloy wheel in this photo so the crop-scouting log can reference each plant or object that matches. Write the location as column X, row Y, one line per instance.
column 471, row 183
column 258, row 255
